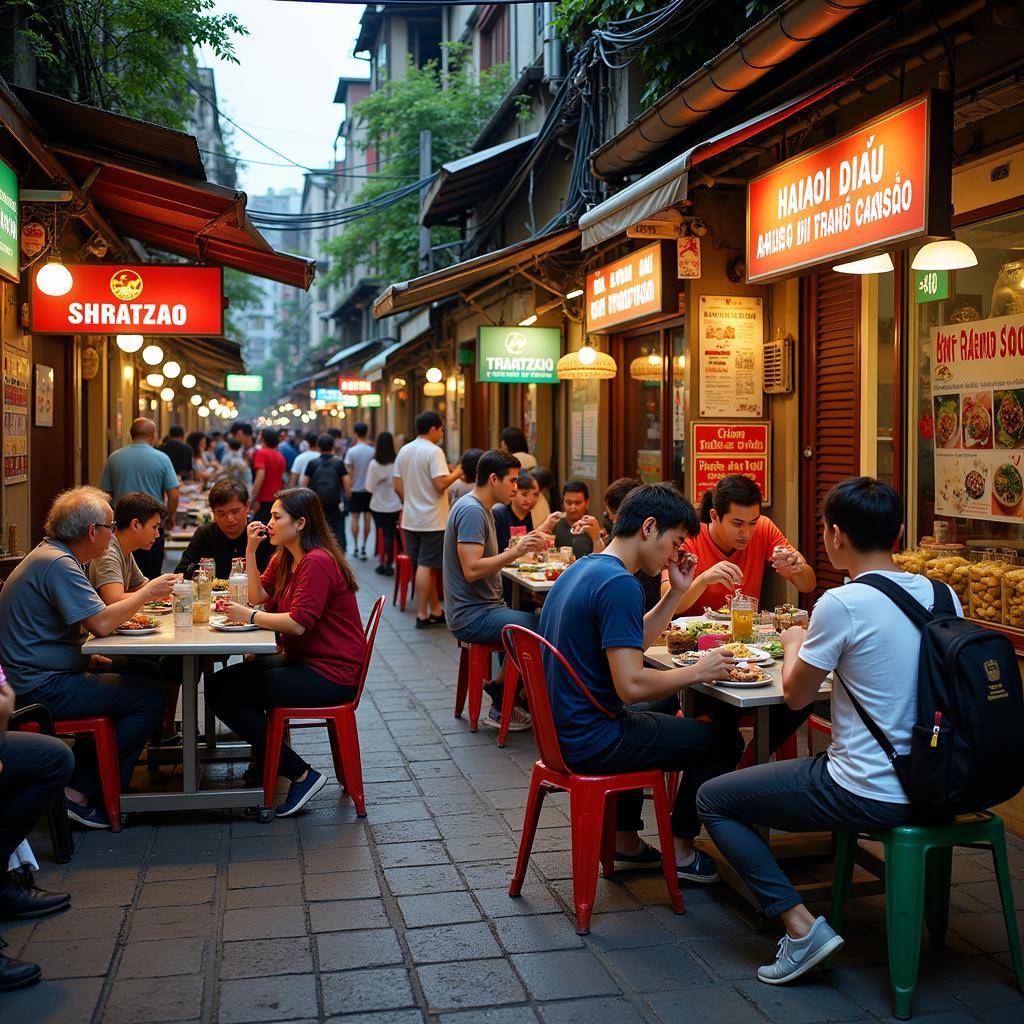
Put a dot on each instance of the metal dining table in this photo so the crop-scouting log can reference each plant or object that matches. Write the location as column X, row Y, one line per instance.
column 520, row 582
column 191, row 645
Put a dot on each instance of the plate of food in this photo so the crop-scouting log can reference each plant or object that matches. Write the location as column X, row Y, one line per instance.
column 772, row 647
column 743, row 652
column 1009, row 417
column 687, row 658
column 158, row 607
column 219, row 585
column 226, row 625
column 139, row 625
column 745, row 676
column 977, row 421
column 947, row 421
column 1007, row 489
column 722, row 614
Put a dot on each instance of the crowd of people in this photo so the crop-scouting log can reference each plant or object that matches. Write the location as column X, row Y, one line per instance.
column 292, row 506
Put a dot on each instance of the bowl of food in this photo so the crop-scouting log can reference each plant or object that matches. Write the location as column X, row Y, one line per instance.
column 974, row 484
column 947, row 421
column 1007, row 488
column 552, row 573
column 139, row 625
column 787, row 615
column 218, row 585
column 1009, row 407
column 977, row 422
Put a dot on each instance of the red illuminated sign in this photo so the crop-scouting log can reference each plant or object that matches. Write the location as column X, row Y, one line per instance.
column 725, row 449
column 354, row 386
column 642, row 284
column 118, row 299
column 885, row 182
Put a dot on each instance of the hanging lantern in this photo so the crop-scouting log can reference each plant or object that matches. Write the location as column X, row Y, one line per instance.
column 646, row 367
column 433, row 389
column 129, row 342
column 586, row 364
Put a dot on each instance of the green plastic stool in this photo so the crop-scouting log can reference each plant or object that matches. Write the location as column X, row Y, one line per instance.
column 918, row 871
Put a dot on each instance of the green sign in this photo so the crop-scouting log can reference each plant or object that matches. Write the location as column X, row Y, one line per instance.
column 518, row 355
column 349, row 402
column 931, row 285
column 8, row 222
column 369, row 401
column 243, row 382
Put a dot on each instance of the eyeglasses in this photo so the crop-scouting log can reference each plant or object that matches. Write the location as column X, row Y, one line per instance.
column 106, row 526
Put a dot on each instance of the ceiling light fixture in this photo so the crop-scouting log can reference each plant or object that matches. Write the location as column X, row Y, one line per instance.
column 130, row 342
column 945, row 254
column 880, row 264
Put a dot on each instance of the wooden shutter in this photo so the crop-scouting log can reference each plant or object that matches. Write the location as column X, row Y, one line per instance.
column 830, row 404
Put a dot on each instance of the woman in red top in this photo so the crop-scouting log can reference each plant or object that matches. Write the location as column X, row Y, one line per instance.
column 308, row 598
column 733, row 547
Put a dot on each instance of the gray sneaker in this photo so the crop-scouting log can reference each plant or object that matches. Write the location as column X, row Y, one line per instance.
column 798, row 956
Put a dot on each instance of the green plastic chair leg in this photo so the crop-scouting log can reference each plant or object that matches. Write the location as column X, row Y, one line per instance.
column 904, row 910
column 842, row 877
column 1006, row 897
column 938, row 878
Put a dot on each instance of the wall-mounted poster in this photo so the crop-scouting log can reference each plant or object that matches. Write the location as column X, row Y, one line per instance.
column 16, row 384
column 978, row 408
column 583, row 441
column 44, row 395
column 731, row 341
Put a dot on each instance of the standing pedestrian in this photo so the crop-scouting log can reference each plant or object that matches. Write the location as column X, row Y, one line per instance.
column 357, row 461
column 178, row 452
column 269, row 468
column 141, row 467
column 422, row 480
column 513, row 440
column 385, row 504
column 287, row 449
column 330, row 481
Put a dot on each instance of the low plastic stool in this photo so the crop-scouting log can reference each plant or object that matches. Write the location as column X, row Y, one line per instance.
column 918, row 871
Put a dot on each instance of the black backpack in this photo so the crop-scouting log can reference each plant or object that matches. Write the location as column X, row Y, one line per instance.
column 325, row 479
column 965, row 745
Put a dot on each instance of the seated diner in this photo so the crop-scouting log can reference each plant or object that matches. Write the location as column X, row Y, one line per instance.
column 577, row 528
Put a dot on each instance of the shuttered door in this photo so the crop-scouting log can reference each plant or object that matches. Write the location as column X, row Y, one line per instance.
column 830, row 399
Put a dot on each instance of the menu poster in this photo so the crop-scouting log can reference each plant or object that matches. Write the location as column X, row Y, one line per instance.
column 731, row 340
column 44, row 395
column 977, row 384
column 16, row 385
column 583, row 440
column 727, row 449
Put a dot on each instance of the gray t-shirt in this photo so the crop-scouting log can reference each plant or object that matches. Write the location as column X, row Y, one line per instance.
column 357, row 461
column 114, row 566
column 464, row 602
column 42, row 606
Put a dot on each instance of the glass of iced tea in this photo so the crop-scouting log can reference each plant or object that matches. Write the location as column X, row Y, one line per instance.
column 742, row 610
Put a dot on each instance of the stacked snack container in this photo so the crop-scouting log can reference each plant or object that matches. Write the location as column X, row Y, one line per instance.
column 1013, row 594
column 948, row 566
column 986, row 586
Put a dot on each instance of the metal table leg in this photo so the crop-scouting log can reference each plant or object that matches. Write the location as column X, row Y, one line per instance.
column 189, row 725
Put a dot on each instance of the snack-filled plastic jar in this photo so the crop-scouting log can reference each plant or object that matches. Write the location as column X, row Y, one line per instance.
column 1013, row 598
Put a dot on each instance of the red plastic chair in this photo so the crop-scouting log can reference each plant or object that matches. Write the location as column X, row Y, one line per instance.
column 340, row 722
column 105, row 738
column 591, row 809
column 817, row 724
column 787, row 750
column 474, row 668
column 404, row 574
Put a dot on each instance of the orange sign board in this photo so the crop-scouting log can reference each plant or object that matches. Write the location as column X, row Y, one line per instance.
column 724, row 449
column 886, row 181
column 632, row 288
column 146, row 299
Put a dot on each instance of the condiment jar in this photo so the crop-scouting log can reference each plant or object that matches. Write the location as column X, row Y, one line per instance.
column 183, row 600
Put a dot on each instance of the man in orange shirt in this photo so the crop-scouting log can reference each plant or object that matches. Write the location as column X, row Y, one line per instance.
column 733, row 547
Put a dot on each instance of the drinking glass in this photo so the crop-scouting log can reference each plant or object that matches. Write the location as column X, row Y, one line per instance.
column 742, row 610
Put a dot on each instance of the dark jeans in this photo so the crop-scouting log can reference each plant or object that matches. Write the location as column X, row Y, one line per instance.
column 794, row 796
column 782, row 721
column 336, row 521
column 35, row 770
column 241, row 695
column 151, row 562
column 701, row 750
column 135, row 702
column 387, row 523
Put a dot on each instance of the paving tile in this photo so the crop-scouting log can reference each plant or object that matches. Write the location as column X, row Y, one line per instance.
column 264, row 923
column 453, row 826
column 466, row 849
column 400, row 810
column 401, row 855
column 345, row 951
column 145, row 1000
column 452, row 987
column 433, row 878
column 76, row 923
column 536, row 933
column 404, row 832
column 591, row 1011
column 450, row 943
column 986, row 931
column 657, row 968
column 495, row 1015
column 260, row 958
column 169, row 872
column 264, row 896
column 70, row 958
column 342, row 885
column 177, row 893
column 627, row 930
column 534, row 899
column 265, row 872
column 325, row 837
column 564, row 974
column 337, row 858
column 438, row 908
column 271, row 847
column 267, row 999
column 710, row 1005
column 347, row 915
column 409, row 1016
column 610, row 896
column 160, row 958
column 812, row 1001
column 381, row 988
column 69, row 1001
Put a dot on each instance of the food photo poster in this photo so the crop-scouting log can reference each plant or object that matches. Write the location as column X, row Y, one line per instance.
column 977, row 385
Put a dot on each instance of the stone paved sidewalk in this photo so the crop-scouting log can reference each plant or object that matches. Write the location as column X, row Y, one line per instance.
column 404, row 917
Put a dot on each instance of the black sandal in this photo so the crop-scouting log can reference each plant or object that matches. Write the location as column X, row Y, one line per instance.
column 647, row 856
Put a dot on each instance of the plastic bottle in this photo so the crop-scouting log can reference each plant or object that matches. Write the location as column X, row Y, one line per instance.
column 238, row 582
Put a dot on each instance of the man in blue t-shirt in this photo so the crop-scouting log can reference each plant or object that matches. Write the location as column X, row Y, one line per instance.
column 594, row 615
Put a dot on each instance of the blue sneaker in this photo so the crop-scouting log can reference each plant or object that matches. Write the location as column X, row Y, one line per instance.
column 300, row 793
column 89, row 815
column 701, row 869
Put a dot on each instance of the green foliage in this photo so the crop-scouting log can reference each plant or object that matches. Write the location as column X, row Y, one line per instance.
column 135, row 57
column 668, row 60
column 242, row 293
column 455, row 105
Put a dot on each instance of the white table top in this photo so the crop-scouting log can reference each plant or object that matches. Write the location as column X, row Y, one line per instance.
column 534, row 586
column 199, row 639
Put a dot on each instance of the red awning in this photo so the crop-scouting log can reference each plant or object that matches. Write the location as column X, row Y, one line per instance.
column 149, row 186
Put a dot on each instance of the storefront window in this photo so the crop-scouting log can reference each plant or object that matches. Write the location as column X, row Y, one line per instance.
column 679, row 409
column 885, row 368
column 643, row 406
column 966, row 415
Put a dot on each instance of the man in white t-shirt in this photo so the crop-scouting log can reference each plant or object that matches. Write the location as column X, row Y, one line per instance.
column 357, row 462
column 422, row 481
column 852, row 787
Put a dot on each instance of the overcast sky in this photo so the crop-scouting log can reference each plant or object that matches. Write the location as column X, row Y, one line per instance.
column 283, row 88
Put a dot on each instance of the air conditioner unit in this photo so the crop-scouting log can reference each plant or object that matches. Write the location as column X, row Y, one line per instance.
column 778, row 365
